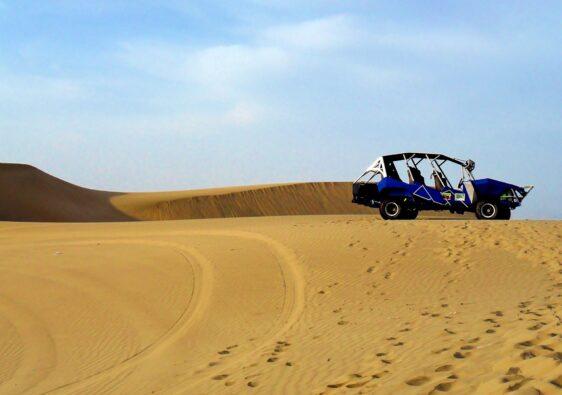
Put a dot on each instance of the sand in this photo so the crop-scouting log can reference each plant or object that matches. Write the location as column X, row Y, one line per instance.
column 281, row 305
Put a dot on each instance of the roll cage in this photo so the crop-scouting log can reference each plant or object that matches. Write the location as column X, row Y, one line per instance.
column 385, row 166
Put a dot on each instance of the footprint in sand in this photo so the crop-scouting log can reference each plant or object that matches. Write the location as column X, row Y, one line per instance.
column 526, row 343
column 220, row 377
column 557, row 382
column 337, row 385
column 512, row 374
column 417, row 381
column 528, row 355
column 379, row 375
column 357, row 385
column 497, row 313
column 443, row 387
column 386, row 361
column 444, row 368
column 536, row 326
column 460, row 355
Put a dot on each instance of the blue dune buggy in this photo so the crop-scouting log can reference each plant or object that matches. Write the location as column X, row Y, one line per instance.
column 381, row 186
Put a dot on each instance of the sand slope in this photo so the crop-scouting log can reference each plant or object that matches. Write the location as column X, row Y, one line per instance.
column 28, row 194
column 316, row 304
column 248, row 201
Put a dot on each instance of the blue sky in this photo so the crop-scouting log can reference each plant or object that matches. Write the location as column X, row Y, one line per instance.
column 156, row 95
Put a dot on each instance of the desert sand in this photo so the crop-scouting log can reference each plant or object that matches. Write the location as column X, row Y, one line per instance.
column 311, row 304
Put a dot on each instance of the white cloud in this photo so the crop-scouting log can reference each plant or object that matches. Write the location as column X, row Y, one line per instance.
column 281, row 70
column 223, row 69
column 317, row 34
column 220, row 71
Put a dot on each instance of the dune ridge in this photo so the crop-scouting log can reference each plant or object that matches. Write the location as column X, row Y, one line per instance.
column 311, row 198
column 29, row 194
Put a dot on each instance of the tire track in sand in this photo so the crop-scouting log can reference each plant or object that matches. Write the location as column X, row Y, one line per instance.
column 200, row 297
column 293, row 304
column 31, row 330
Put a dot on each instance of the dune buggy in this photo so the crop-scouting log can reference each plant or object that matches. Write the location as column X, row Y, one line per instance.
column 381, row 186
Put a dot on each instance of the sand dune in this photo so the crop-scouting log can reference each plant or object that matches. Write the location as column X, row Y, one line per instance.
column 248, row 201
column 296, row 304
column 28, row 194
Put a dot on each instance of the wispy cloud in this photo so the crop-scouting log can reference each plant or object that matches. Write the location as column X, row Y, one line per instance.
column 218, row 69
column 331, row 32
column 226, row 81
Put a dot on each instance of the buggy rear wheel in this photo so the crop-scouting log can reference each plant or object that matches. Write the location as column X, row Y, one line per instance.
column 504, row 213
column 391, row 209
column 487, row 210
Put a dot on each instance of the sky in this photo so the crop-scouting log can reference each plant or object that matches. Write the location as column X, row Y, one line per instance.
column 161, row 95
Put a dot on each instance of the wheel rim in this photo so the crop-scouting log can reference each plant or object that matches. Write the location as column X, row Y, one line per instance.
column 488, row 210
column 391, row 209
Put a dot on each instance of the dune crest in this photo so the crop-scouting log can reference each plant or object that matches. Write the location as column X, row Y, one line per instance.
column 29, row 194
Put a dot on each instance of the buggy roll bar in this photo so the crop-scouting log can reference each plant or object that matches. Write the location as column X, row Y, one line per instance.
column 414, row 158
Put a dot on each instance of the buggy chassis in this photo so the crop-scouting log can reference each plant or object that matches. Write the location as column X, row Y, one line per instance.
column 380, row 186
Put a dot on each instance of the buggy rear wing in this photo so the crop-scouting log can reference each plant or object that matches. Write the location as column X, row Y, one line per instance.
column 517, row 194
column 526, row 190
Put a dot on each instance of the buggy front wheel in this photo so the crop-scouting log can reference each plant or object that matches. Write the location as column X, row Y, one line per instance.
column 410, row 213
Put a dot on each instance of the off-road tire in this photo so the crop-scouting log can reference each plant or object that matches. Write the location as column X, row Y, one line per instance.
column 504, row 213
column 410, row 213
column 487, row 210
column 391, row 209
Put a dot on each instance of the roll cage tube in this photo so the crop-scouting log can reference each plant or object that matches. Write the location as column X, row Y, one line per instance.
column 384, row 166
column 436, row 162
